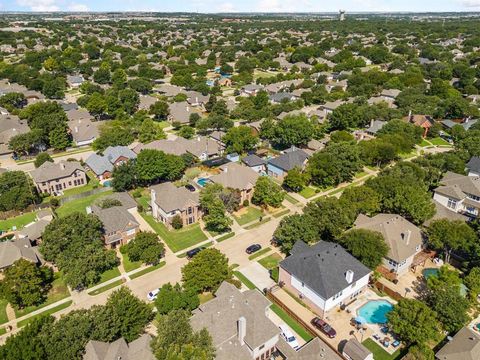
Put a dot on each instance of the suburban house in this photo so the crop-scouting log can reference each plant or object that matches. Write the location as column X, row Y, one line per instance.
column 251, row 89
column 237, row 177
column 102, row 165
column 74, row 81
column 256, row 163
column 279, row 167
column 473, row 166
column 54, row 178
column 83, row 130
column 403, row 238
column 119, row 225
column 424, row 121
column 16, row 249
column 354, row 350
column 281, row 97
column 181, row 111
column 390, row 94
column 10, row 126
column 325, row 276
column 241, row 329
column 465, row 123
column 459, row 193
column 375, row 126
column 34, row 230
column 120, row 350
column 465, row 345
column 168, row 201
column 195, row 98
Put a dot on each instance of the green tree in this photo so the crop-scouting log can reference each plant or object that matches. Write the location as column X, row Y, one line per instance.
column 150, row 131
column 361, row 199
column 175, row 297
column 186, row 132
column 214, row 209
column 295, row 180
column 420, row 352
column 206, row 271
column 26, row 284
column 413, row 321
column 113, row 135
column 153, row 166
column 267, row 193
column 160, row 110
column 145, row 247
column 472, row 281
column 293, row 228
column 41, row 158
column 16, row 191
column 293, row 130
column 59, row 138
column 124, row 177
column 367, row 246
column 97, row 105
column 14, row 100
column 345, row 116
column 240, row 139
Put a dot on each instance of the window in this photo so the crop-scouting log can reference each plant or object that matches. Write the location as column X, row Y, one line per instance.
column 471, row 209
column 261, row 347
column 190, row 210
column 474, row 197
column 336, row 296
column 452, row 204
column 69, row 183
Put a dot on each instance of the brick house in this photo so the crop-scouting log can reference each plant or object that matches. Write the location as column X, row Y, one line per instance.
column 54, row 178
column 237, row 177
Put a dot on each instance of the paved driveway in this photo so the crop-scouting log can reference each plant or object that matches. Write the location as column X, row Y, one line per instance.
column 258, row 275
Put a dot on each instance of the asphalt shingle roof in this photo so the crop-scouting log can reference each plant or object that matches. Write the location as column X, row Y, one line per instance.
column 289, row 160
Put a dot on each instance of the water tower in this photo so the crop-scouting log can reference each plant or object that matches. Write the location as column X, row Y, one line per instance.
column 342, row 15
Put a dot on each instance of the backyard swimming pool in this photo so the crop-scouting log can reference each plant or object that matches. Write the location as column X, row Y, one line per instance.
column 203, row 181
column 375, row 311
column 429, row 272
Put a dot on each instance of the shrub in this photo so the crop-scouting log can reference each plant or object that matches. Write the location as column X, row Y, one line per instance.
column 177, row 222
column 246, row 203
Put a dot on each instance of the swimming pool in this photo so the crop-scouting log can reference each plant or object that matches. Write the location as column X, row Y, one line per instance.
column 429, row 272
column 203, row 181
column 107, row 183
column 375, row 311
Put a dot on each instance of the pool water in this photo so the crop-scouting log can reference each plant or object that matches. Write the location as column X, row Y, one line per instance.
column 375, row 311
column 202, row 182
column 429, row 272
column 107, row 183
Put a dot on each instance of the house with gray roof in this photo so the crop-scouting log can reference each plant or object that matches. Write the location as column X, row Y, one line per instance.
column 168, row 201
column 181, row 111
column 256, row 163
column 54, row 178
column 466, row 124
column 354, row 350
column 74, row 81
column 279, row 167
column 281, row 97
column 16, row 249
column 465, row 345
column 120, row 350
column 103, row 165
column 10, row 126
column 237, row 177
column 325, row 276
column 119, row 225
column 250, row 89
column 459, row 193
column 404, row 239
column 84, row 131
column 375, row 127
column 473, row 166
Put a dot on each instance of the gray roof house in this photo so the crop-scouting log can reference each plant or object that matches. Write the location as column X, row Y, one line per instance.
column 103, row 165
column 253, row 161
column 75, row 80
column 291, row 158
column 84, row 131
column 354, row 350
column 10, row 126
column 465, row 345
column 375, row 127
column 138, row 349
column 20, row 248
column 278, row 98
column 238, row 177
column 181, row 111
column 403, row 238
column 473, row 166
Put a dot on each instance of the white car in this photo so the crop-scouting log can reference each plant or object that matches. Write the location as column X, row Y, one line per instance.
column 152, row 295
column 288, row 336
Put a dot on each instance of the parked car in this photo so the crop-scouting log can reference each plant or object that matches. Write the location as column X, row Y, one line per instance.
column 324, row 327
column 190, row 187
column 152, row 295
column 193, row 252
column 253, row 248
column 288, row 336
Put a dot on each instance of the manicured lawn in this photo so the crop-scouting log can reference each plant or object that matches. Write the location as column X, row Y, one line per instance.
column 225, row 237
column 291, row 199
column 379, row 353
column 163, row 124
column 58, row 292
column 248, row 215
column 147, row 270
column 295, row 326
column 244, row 280
column 18, row 221
column 93, row 183
column 281, row 213
column 3, row 331
column 129, row 265
column 408, row 155
column 48, row 312
column 3, row 311
column 109, row 275
column 259, row 253
column 265, row 220
column 177, row 240
column 439, row 141
column 425, row 143
column 205, row 297
column 106, row 287
column 271, row 261
column 307, row 192
column 80, row 205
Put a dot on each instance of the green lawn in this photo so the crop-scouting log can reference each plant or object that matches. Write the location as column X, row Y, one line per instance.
column 265, row 220
column 80, row 205
column 58, row 292
column 271, row 261
column 295, row 326
column 439, row 141
column 225, row 237
column 244, row 280
column 109, row 275
column 18, row 221
column 147, row 270
column 259, row 253
column 379, row 353
column 163, row 124
column 106, row 287
column 3, row 311
column 307, row 192
column 281, row 213
column 47, row 312
column 248, row 215
column 93, row 183
column 129, row 265
column 425, row 143
column 291, row 199
column 177, row 240
column 408, row 155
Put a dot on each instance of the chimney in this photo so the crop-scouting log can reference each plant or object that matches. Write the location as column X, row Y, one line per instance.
column 89, row 209
column 371, row 123
column 188, row 108
column 349, row 276
column 76, row 129
column 241, row 330
column 406, row 236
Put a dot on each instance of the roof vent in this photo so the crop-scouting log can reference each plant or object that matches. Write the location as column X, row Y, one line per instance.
column 349, row 276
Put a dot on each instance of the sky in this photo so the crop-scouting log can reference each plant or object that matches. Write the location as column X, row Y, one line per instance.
column 213, row 6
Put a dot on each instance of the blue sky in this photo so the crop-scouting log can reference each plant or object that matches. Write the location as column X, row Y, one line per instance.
column 240, row 6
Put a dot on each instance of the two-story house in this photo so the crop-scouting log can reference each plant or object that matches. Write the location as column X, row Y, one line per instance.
column 292, row 158
column 403, row 238
column 54, row 178
column 325, row 276
column 237, row 177
column 459, row 193
column 102, row 165
column 168, row 201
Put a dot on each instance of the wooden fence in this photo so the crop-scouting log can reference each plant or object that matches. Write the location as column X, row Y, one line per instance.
column 390, row 292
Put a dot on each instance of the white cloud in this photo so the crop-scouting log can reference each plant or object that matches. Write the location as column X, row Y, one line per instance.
column 77, row 7
column 470, row 3
column 39, row 5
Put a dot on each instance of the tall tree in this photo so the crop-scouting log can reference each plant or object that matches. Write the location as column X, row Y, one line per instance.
column 267, row 193
column 367, row 246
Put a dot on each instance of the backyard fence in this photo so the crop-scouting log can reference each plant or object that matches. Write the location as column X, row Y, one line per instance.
column 4, row 215
column 390, row 292
column 82, row 195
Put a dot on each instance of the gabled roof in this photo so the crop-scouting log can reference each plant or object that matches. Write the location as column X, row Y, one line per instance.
column 355, row 350
column 322, row 267
column 289, row 160
column 51, row 171
column 170, row 198
column 465, row 345
column 13, row 250
column 115, row 218
column 236, row 176
column 98, row 164
column 113, row 153
column 138, row 349
column 401, row 236
column 253, row 160
column 457, row 185
column 474, row 164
